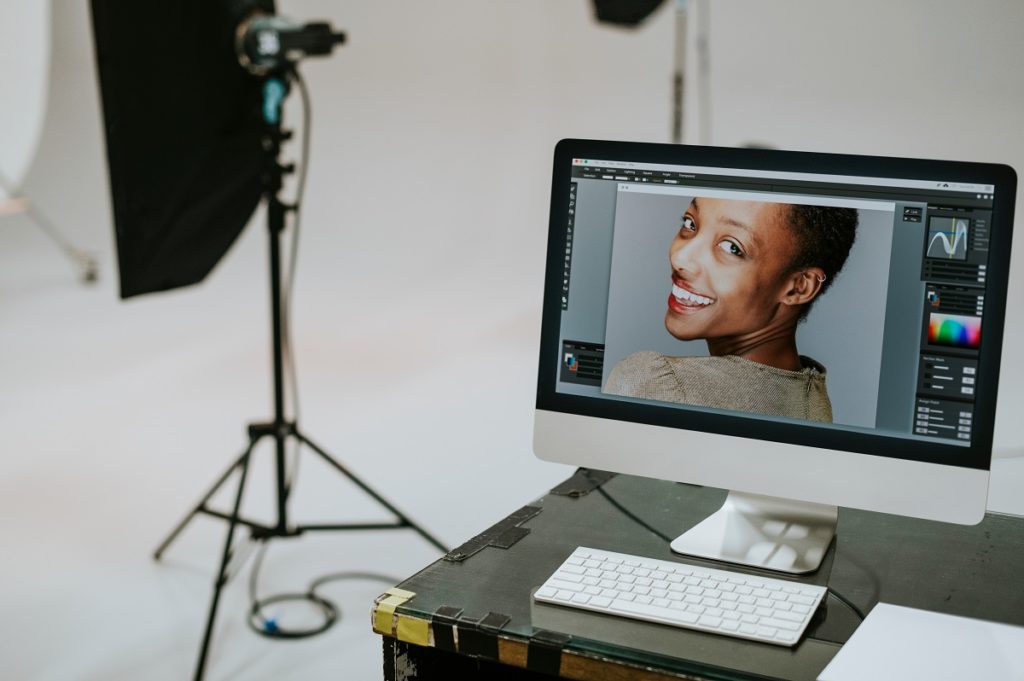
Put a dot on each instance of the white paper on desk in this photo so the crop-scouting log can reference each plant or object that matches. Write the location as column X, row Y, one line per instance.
column 901, row 643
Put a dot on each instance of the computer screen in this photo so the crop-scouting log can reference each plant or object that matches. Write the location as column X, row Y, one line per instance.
column 817, row 302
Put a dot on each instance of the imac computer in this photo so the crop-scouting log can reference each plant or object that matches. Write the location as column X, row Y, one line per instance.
column 804, row 330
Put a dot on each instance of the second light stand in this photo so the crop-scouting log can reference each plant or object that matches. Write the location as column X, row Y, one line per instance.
column 280, row 430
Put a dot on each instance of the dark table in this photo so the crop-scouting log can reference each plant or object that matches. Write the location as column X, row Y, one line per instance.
column 471, row 614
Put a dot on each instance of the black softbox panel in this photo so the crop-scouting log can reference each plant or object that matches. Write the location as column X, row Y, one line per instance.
column 183, row 132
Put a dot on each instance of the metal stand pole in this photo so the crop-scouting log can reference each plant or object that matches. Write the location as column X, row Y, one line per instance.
column 280, row 429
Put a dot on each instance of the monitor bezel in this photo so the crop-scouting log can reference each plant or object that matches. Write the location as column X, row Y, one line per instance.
column 975, row 456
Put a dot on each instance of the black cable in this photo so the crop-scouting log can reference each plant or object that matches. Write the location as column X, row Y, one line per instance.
column 289, row 286
column 847, row 602
column 259, row 623
column 640, row 521
column 629, row 514
column 270, row 628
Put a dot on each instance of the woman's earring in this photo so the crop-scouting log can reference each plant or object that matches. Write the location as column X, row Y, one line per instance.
column 822, row 278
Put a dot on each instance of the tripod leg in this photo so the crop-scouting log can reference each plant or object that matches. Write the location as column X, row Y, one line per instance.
column 202, row 502
column 221, row 580
column 366, row 488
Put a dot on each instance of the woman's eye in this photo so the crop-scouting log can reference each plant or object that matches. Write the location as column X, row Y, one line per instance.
column 688, row 224
column 731, row 248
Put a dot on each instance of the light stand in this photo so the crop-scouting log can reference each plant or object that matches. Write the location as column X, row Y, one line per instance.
column 88, row 269
column 275, row 89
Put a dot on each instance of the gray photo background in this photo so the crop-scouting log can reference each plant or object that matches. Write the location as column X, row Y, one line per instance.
column 843, row 331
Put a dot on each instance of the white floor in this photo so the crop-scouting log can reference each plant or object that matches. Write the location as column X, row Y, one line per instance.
column 416, row 323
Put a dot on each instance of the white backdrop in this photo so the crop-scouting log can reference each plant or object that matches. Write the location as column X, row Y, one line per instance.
column 24, row 62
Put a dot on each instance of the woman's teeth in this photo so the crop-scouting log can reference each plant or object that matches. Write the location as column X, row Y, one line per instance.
column 685, row 297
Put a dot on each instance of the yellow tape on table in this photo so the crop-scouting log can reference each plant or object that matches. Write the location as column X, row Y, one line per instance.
column 412, row 630
column 384, row 614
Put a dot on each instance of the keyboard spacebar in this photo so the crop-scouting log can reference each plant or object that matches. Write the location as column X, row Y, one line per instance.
column 653, row 612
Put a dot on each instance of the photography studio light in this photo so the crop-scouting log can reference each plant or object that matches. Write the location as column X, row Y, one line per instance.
column 192, row 97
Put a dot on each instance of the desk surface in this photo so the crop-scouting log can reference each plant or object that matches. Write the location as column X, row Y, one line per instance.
column 972, row 571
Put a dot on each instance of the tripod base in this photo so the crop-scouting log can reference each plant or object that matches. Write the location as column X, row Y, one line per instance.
column 279, row 432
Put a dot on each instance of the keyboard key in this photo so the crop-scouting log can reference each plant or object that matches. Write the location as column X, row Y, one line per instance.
column 748, row 629
column 562, row 584
column 661, row 602
column 644, row 599
column 580, row 598
column 789, row 616
column 592, row 590
column 568, row 577
column 709, row 621
column 767, row 632
column 573, row 569
column 801, row 600
column 780, row 624
column 546, row 591
column 648, row 611
column 752, row 619
column 564, row 595
column 730, row 626
column 730, row 615
column 600, row 601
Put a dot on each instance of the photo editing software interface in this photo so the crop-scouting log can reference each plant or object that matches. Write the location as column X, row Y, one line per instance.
column 896, row 335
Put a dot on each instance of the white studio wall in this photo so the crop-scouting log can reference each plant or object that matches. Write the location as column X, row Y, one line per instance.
column 25, row 57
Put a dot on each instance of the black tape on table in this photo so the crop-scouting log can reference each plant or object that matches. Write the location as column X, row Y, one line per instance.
column 443, row 623
column 583, row 482
column 501, row 535
column 474, row 641
column 544, row 652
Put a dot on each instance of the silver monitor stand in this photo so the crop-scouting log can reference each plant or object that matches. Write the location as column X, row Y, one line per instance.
column 764, row 532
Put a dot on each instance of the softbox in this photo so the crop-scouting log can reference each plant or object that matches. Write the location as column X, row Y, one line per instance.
column 183, row 129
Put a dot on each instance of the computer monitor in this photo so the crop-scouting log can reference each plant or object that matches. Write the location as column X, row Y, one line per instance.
column 805, row 330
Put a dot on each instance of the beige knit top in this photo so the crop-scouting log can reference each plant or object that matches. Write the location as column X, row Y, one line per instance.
column 728, row 382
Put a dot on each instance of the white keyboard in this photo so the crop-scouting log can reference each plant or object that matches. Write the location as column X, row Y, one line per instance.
column 705, row 599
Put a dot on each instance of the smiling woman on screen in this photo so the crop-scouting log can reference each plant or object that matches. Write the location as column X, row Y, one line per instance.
column 743, row 275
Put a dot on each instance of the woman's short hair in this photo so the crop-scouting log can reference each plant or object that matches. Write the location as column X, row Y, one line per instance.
column 824, row 237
